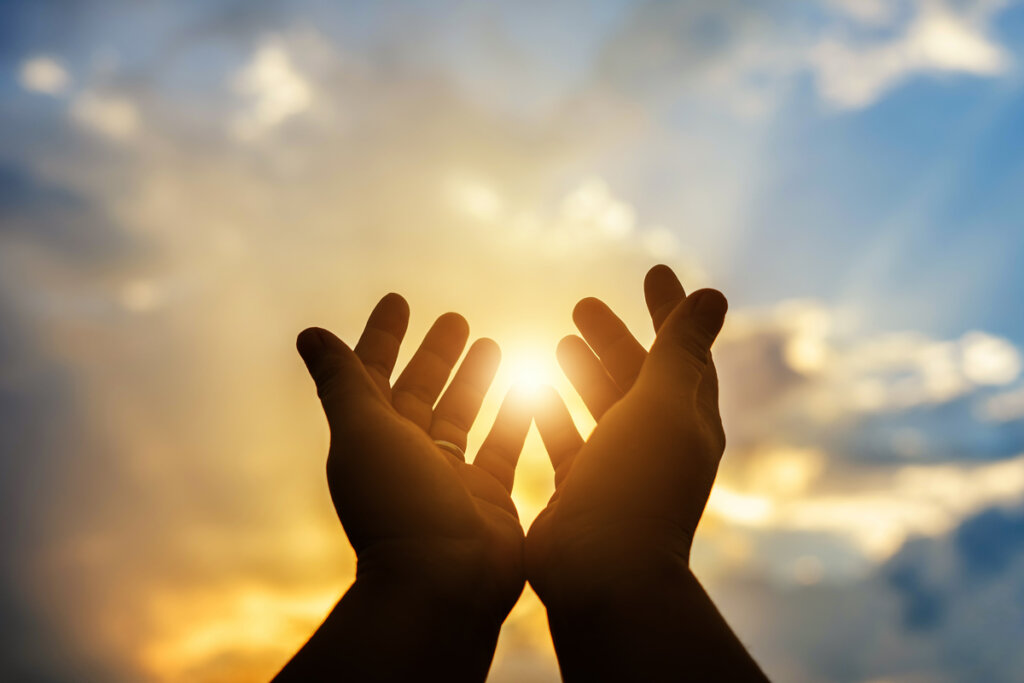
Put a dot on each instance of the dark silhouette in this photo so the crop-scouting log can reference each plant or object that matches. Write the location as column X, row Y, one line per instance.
column 442, row 557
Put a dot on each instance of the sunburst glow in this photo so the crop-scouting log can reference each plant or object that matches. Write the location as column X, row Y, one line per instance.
column 529, row 370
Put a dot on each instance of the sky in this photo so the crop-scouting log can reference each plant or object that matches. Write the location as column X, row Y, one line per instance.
column 185, row 186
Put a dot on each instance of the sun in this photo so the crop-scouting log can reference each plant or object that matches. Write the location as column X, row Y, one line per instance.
column 528, row 371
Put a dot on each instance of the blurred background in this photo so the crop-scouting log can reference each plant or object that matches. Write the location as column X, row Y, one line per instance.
column 184, row 186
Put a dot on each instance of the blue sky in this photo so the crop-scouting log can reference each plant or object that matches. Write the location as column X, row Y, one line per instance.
column 184, row 186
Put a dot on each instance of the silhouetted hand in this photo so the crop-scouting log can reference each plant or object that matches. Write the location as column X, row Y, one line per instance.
column 637, row 487
column 609, row 555
column 438, row 541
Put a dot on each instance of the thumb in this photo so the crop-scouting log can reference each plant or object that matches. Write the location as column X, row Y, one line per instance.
column 337, row 371
column 682, row 347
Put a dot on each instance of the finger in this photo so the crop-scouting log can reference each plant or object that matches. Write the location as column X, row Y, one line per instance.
column 341, row 380
column 558, row 432
column 621, row 354
column 417, row 388
column 378, row 346
column 458, row 407
column 500, row 451
column 587, row 375
column 663, row 292
column 681, row 352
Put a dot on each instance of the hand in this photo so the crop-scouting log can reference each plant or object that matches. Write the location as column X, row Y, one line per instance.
column 417, row 514
column 627, row 501
column 609, row 555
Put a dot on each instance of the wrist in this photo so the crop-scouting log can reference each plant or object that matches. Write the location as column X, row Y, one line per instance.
column 661, row 626
column 389, row 629
column 451, row 580
column 612, row 564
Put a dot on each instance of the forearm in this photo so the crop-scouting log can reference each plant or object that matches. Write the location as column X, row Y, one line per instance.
column 382, row 632
column 658, row 627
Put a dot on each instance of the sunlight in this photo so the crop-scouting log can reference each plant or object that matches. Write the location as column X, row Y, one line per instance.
column 261, row 623
column 528, row 371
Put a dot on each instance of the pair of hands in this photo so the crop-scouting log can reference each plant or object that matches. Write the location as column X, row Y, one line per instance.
column 644, row 473
column 628, row 499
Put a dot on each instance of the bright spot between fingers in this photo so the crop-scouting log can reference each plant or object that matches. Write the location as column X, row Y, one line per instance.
column 528, row 372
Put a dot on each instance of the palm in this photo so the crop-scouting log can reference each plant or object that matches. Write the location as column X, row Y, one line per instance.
column 395, row 490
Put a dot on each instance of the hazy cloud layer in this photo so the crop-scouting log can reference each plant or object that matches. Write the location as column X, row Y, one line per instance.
column 189, row 186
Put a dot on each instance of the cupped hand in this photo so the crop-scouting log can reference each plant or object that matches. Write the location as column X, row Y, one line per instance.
column 628, row 498
column 415, row 512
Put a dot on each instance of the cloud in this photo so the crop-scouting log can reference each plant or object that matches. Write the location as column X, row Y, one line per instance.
column 166, row 281
column 871, row 12
column 942, row 609
column 113, row 116
column 749, row 57
column 44, row 74
column 588, row 218
column 989, row 360
column 1004, row 407
column 886, row 372
column 937, row 39
column 900, row 371
column 858, row 436
column 275, row 89
column 877, row 512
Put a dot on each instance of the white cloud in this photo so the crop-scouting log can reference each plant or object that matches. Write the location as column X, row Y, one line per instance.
column 873, row 12
column 989, row 360
column 914, row 499
column 1004, row 407
column 903, row 370
column 113, row 116
column 661, row 242
column 878, row 373
column 826, row 487
column 276, row 90
column 854, row 74
column 43, row 74
column 589, row 217
column 593, row 210
column 862, row 50
column 474, row 197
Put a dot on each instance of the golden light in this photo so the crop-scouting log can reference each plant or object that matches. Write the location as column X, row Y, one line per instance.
column 526, row 370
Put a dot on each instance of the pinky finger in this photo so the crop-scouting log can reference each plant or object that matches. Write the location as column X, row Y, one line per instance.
column 558, row 432
column 500, row 451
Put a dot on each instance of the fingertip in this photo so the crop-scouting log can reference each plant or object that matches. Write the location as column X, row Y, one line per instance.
column 584, row 307
column 310, row 344
column 484, row 357
column 394, row 300
column 567, row 346
column 660, row 275
column 487, row 347
column 454, row 322
column 661, row 285
column 313, row 342
column 390, row 314
column 308, row 337
column 708, row 297
column 662, row 292
column 709, row 308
